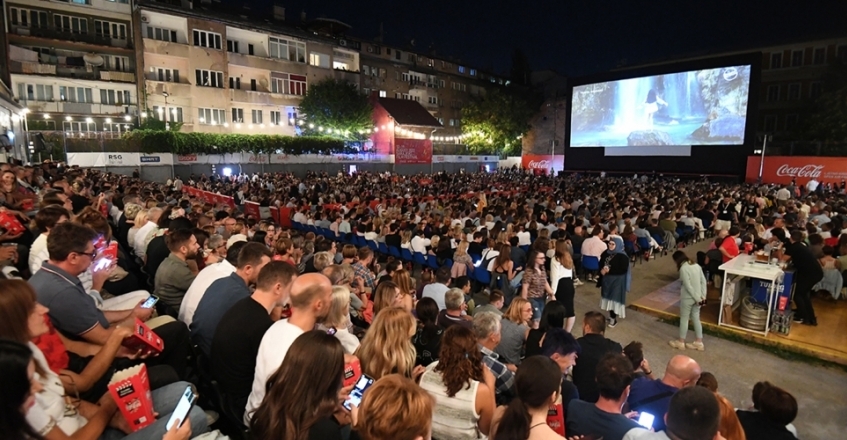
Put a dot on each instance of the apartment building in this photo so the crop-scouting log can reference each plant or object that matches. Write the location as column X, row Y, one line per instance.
column 219, row 73
column 71, row 63
column 440, row 85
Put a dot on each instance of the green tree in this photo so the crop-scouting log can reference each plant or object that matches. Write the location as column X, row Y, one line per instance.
column 496, row 122
column 338, row 106
column 827, row 121
column 152, row 122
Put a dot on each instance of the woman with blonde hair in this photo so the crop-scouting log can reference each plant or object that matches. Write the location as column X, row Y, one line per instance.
column 338, row 317
column 387, row 347
column 514, row 329
column 462, row 261
column 139, row 220
column 402, row 278
column 394, row 408
column 561, row 279
column 406, row 240
column 433, row 244
column 387, row 295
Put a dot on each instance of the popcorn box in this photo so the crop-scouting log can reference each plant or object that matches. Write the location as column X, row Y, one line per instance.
column 10, row 223
column 556, row 417
column 131, row 390
column 352, row 372
column 144, row 339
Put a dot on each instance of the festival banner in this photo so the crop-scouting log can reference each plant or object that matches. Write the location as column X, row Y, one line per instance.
column 413, row 151
column 801, row 169
column 543, row 162
column 252, row 209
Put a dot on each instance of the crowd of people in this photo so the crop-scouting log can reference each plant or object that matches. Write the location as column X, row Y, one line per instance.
column 269, row 320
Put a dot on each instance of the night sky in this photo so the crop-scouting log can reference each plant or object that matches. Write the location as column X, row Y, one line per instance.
column 580, row 37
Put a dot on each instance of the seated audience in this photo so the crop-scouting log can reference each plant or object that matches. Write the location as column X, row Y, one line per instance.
column 770, row 418
column 525, row 417
column 427, row 339
column 204, row 279
column 455, row 310
column 394, row 408
column 654, row 396
column 515, row 328
column 594, row 346
column 486, row 327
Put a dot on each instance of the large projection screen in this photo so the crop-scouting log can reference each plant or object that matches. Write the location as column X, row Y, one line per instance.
column 678, row 109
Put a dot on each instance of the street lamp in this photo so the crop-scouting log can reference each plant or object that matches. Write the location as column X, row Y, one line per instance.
column 167, row 125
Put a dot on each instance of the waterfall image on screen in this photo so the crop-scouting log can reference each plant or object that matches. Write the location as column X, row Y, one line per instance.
column 699, row 107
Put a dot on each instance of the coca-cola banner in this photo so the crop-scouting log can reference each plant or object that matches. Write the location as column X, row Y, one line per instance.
column 784, row 169
column 413, row 151
column 543, row 162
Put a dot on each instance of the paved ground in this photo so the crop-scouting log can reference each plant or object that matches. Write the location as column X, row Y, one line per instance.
column 820, row 391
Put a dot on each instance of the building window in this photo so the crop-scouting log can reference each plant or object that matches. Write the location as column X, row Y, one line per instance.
column 235, row 82
column 398, row 95
column 441, row 121
column 109, row 29
column 253, row 85
column 209, row 78
column 366, row 70
column 455, row 122
column 398, row 55
column 66, row 23
column 118, row 63
column 76, row 94
column 319, row 60
column 174, row 113
column 167, row 75
column 797, row 58
column 211, row 116
column 383, row 94
column 28, row 18
column 115, row 97
column 250, row 49
column 459, row 86
column 461, row 69
column 773, row 93
column 442, row 83
column 35, row 92
column 287, row 49
column 276, row 118
column 841, row 54
column 406, row 96
column 292, row 118
column 237, row 115
column 815, row 89
column 776, row 60
column 433, row 100
column 232, row 46
column 288, row 84
column 794, row 91
column 473, row 72
column 78, row 126
column 770, row 123
column 406, row 77
column 791, row 121
column 257, row 117
column 211, row 40
column 160, row 34
column 820, row 56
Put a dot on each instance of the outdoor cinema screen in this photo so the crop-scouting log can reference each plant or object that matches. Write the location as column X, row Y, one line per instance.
column 698, row 107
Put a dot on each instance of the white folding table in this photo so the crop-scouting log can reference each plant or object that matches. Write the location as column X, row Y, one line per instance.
column 746, row 266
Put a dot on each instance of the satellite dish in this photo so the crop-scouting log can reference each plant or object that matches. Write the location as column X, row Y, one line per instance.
column 93, row 59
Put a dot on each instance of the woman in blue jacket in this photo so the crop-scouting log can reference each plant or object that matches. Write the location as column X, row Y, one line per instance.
column 692, row 295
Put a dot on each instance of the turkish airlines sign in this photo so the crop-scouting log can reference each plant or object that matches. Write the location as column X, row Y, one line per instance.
column 543, row 162
column 784, row 169
column 413, row 151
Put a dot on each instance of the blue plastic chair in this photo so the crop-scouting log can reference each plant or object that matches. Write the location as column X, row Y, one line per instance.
column 431, row 262
column 629, row 247
column 383, row 249
column 373, row 245
column 419, row 258
column 591, row 264
column 448, row 263
column 406, row 255
column 394, row 251
column 482, row 275
column 475, row 258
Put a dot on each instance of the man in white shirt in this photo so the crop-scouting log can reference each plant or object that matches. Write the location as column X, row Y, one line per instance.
column 311, row 295
column 812, row 186
column 419, row 242
column 300, row 217
column 140, row 243
column 439, row 288
column 204, row 279
column 45, row 220
column 524, row 239
column 783, row 195
column 344, row 226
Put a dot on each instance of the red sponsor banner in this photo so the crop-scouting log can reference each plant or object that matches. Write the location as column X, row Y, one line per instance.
column 252, row 209
column 543, row 162
column 187, row 158
column 784, row 169
column 413, row 151
column 275, row 214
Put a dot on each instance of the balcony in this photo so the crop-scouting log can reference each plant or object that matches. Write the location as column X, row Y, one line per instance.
column 417, row 84
column 88, row 72
column 154, row 87
column 77, row 108
column 262, row 98
column 263, row 63
column 52, row 33
column 165, row 48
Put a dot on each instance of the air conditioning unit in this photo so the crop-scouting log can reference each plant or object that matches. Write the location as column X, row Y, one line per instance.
column 145, row 19
column 342, row 42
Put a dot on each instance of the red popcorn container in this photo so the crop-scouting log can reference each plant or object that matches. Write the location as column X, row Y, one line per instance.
column 131, row 390
column 144, row 339
column 556, row 417
column 10, row 223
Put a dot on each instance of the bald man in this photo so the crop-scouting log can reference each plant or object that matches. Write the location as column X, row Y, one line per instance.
column 654, row 396
column 311, row 295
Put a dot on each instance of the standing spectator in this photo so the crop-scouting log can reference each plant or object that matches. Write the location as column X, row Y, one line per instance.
column 233, row 353
column 536, row 288
column 604, row 419
column 807, row 273
column 727, row 214
column 463, row 387
column 593, row 345
column 615, row 280
column 486, row 327
column 562, row 280
column 691, row 295
column 654, row 396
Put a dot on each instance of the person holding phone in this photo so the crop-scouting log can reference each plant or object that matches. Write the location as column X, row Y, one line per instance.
column 303, row 394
